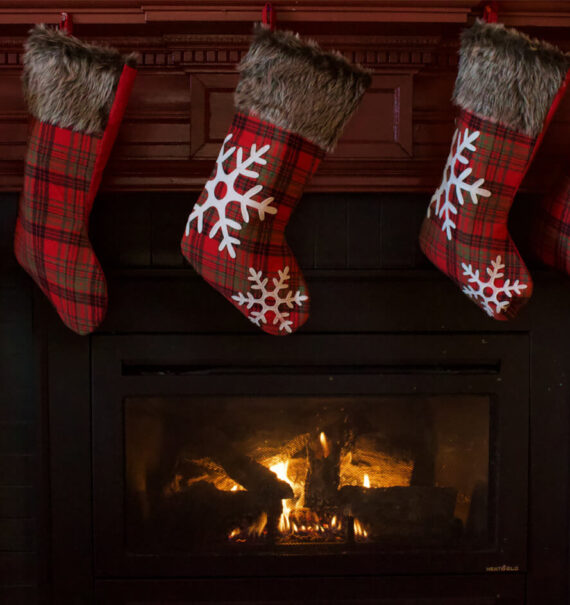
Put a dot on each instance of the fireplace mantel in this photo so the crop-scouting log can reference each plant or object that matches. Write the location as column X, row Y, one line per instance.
column 182, row 101
column 133, row 12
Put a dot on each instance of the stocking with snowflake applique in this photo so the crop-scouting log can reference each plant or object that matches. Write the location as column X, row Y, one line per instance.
column 507, row 88
column 551, row 228
column 77, row 94
column 292, row 102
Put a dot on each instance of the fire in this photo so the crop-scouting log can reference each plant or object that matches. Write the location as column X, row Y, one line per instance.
column 324, row 445
column 359, row 530
column 284, row 523
column 366, row 481
column 280, row 469
column 257, row 528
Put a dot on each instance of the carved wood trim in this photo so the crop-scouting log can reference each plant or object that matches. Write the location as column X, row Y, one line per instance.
column 181, row 105
column 131, row 12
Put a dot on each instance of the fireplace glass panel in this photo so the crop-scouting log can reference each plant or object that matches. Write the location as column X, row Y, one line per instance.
column 217, row 474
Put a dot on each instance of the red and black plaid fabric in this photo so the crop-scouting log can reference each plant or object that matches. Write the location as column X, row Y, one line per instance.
column 478, row 254
column 551, row 229
column 240, row 248
column 51, row 241
column 62, row 174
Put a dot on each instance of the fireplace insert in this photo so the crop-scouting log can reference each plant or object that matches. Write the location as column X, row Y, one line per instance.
column 340, row 454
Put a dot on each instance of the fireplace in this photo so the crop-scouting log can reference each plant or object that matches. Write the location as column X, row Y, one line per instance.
column 386, row 449
column 400, row 449
column 345, row 454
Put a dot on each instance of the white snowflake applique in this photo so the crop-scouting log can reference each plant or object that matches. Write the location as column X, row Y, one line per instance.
column 454, row 186
column 225, row 184
column 270, row 300
column 486, row 293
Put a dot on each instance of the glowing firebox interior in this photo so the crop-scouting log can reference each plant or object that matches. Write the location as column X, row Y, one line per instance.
column 284, row 471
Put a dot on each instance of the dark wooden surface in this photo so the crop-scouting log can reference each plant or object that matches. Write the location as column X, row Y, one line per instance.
column 181, row 104
column 22, row 506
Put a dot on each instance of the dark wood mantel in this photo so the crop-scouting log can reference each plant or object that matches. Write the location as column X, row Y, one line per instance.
column 182, row 101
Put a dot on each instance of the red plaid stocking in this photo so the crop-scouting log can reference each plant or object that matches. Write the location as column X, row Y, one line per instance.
column 551, row 229
column 68, row 148
column 293, row 100
column 497, row 133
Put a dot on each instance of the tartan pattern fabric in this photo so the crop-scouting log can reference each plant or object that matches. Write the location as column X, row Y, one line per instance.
column 286, row 164
column 551, row 232
column 51, row 240
column 480, row 256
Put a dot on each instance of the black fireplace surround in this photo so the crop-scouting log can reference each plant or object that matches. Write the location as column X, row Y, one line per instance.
column 401, row 448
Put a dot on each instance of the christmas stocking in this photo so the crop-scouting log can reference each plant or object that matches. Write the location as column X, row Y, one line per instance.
column 551, row 228
column 77, row 95
column 507, row 89
column 292, row 103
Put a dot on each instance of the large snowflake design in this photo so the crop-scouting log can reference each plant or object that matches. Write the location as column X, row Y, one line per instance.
column 454, row 186
column 486, row 293
column 223, row 185
column 270, row 299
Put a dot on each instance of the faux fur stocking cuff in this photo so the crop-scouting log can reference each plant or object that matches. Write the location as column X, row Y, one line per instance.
column 69, row 83
column 508, row 77
column 297, row 86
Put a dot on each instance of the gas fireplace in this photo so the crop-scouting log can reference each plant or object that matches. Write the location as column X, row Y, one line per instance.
column 381, row 452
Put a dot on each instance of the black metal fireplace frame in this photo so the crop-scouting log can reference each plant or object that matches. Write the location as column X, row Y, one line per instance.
column 310, row 365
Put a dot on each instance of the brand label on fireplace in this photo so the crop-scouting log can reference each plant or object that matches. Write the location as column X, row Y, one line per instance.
column 503, row 568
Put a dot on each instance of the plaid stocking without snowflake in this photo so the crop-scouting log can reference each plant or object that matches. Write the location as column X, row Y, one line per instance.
column 507, row 88
column 551, row 229
column 77, row 94
column 293, row 100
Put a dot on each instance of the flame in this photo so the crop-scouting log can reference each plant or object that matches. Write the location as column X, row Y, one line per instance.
column 324, row 444
column 284, row 524
column 280, row 469
column 234, row 488
column 366, row 481
column 256, row 529
column 359, row 530
column 235, row 532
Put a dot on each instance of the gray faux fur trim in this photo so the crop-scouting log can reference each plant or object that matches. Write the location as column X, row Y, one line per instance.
column 507, row 76
column 70, row 83
column 299, row 87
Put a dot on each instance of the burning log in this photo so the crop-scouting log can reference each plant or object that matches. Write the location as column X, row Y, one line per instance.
column 244, row 471
column 254, row 476
column 402, row 511
column 321, row 487
column 202, row 516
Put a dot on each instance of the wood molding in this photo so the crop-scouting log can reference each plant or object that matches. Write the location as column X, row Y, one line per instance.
column 181, row 104
column 130, row 12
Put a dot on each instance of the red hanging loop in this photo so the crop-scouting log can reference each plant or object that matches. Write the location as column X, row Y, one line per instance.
column 268, row 16
column 66, row 23
column 491, row 12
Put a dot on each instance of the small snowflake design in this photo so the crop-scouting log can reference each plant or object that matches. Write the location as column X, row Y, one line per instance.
column 486, row 293
column 221, row 192
column 454, row 186
column 270, row 299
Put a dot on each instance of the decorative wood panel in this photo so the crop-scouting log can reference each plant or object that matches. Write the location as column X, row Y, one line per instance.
column 211, row 112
